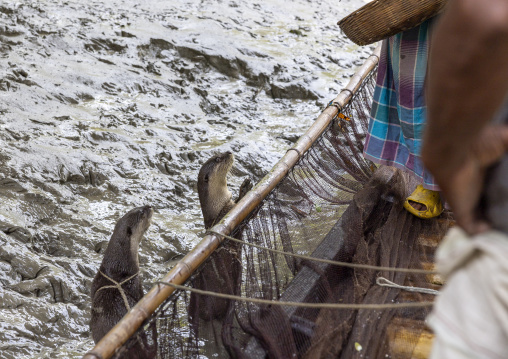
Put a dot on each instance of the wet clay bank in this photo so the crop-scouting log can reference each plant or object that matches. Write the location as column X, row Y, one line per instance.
column 109, row 105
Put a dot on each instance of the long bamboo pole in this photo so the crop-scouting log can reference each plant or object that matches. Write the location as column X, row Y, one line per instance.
column 119, row 334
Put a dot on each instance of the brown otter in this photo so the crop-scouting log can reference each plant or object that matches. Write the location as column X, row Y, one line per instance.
column 214, row 195
column 221, row 272
column 120, row 265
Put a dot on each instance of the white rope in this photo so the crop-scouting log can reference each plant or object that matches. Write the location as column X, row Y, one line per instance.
column 299, row 304
column 117, row 286
column 328, row 261
column 383, row 282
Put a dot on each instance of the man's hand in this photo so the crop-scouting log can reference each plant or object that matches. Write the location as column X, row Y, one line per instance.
column 464, row 186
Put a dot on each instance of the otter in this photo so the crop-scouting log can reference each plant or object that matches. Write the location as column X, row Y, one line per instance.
column 120, row 265
column 221, row 272
column 214, row 195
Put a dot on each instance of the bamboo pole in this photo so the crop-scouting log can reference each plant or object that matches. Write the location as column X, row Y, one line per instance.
column 119, row 334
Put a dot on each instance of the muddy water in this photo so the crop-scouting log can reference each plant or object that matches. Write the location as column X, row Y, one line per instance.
column 107, row 105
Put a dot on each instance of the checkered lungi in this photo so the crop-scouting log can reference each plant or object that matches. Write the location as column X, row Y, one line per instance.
column 398, row 111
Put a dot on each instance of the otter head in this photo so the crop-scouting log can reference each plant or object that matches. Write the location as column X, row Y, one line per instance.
column 134, row 224
column 212, row 186
column 129, row 231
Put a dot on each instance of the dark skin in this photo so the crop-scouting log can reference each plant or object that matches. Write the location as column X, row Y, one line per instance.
column 467, row 83
column 417, row 206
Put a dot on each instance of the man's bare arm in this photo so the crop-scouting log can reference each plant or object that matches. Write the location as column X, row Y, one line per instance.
column 467, row 83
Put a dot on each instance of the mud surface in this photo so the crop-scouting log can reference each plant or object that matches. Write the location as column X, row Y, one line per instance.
column 109, row 105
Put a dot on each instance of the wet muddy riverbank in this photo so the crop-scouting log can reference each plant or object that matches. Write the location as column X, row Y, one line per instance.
column 109, row 105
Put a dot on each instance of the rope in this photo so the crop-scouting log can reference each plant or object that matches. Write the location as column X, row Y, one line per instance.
column 328, row 261
column 346, row 89
column 124, row 297
column 374, row 55
column 117, row 286
column 299, row 304
column 383, row 282
column 334, row 104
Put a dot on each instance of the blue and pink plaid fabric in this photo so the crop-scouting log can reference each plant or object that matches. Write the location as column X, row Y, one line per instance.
column 398, row 111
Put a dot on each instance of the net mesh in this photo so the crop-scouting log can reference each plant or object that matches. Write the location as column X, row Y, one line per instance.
column 335, row 205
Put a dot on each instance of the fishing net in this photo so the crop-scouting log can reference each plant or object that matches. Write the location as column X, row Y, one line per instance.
column 333, row 205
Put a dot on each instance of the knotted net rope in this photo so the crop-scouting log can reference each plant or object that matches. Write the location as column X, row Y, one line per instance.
column 118, row 286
